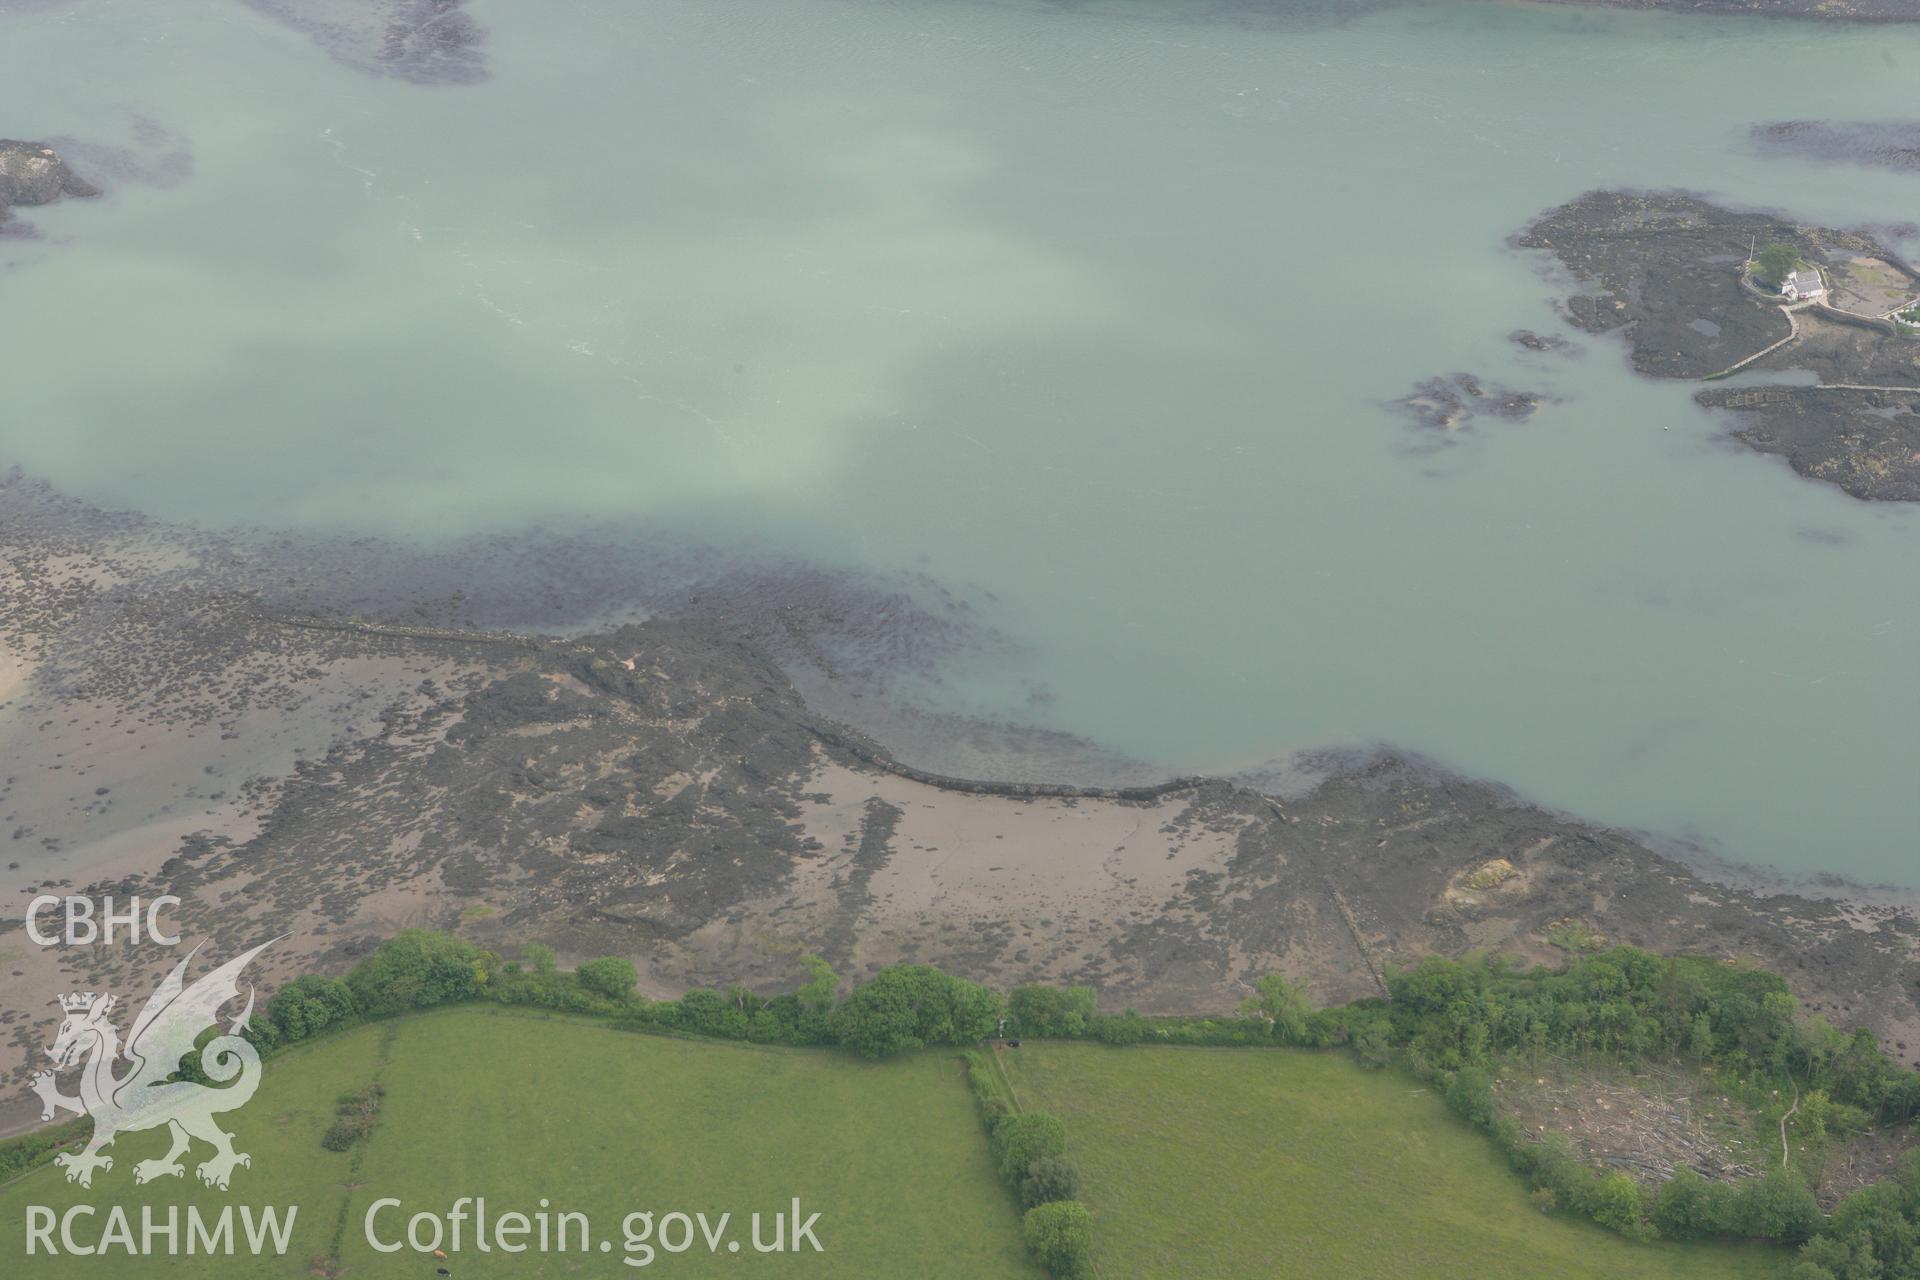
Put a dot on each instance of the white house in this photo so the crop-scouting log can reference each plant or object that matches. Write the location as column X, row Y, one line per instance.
column 1801, row 285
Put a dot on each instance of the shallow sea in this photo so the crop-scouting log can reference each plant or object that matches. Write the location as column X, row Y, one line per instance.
column 1090, row 312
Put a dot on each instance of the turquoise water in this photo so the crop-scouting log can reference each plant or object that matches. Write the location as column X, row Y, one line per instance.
column 1091, row 308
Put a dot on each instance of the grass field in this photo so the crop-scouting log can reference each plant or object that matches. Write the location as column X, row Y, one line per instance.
column 520, row 1106
column 1265, row 1162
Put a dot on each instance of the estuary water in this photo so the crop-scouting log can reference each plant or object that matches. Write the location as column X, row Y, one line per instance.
column 1092, row 311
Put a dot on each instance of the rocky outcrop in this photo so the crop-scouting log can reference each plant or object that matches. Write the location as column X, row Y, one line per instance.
column 1667, row 270
column 1824, row 10
column 1663, row 267
column 34, row 174
column 1878, row 144
column 1863, row 441
column 1452, row 403
column 422, row 41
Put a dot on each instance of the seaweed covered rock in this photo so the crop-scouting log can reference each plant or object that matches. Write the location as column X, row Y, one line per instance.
column 34, row 174
column 1673, row 272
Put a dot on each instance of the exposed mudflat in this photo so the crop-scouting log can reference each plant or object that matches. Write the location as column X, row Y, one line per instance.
column 1667, row 269
column 661, row 790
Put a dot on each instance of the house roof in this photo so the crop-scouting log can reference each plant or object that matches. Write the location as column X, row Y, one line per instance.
column 1803, row 282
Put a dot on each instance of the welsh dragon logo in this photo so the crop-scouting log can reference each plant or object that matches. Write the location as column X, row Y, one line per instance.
column 147, row 1096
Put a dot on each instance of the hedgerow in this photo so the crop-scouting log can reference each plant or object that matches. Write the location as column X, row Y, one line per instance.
column 1452, row 1023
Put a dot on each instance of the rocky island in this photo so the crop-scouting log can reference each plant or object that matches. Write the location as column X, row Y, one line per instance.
column 1452, row 403
column 33, row 174
column 1678, row 277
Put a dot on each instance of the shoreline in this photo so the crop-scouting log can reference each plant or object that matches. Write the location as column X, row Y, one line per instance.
column 663, row 791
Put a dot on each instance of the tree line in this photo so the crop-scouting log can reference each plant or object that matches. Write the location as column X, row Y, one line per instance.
column 1030, row 1155
column 1453, row 1023
column 901, row 1008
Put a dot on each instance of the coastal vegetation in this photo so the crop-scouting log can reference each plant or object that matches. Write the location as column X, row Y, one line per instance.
column 1455, row 1023
column 1455, row 1030
column 1030, row 1155
column 1775, row 263
column 948, row 393
column 1242, row 1161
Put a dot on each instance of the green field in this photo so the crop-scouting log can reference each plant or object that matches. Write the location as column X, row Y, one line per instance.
column 519, row 1106
column 1276, row 1162
column 1197, row 1163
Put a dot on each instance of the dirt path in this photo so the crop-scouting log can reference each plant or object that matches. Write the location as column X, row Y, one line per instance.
column 1783, row 1120
column 1793, row 327
column 1006, row 1081
column 1793, row 331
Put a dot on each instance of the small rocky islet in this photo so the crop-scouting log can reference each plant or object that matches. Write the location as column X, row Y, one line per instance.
column 1675, row 275
column 1893, row 145
column 1822, row 10
column 1452, row 402
column 32, row 173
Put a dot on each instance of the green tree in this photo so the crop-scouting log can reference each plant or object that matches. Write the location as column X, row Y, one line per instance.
column 1122, row 1028
column 1020, row 1140
column 1051, row 1011
column 910, row 1006
column 1060, row 1237
column 1775, row 263
column 1829, row 1258
column 1816, row 1110
column 416, row 970
column 1616, row 1203
column 1700, row 1038
column 308, row 1005
column 1373, row 1046
column 1048, row 1179
column 712, row 1014
column 1870, row 1237
column 816, row 995
column 1539, row 1036
column 1687, row 1207
column 612, row 976
column 1470, row 1094
column 1281, row 1005
column 1776, row 1207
